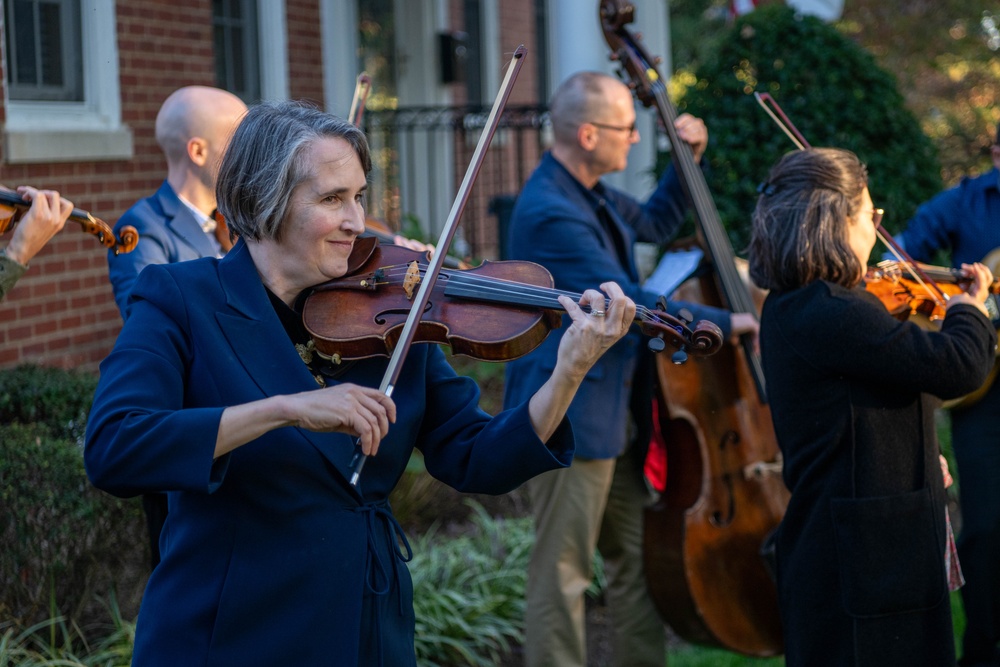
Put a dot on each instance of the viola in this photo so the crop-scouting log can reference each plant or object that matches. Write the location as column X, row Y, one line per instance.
column 905, row 295
column 13, row 206
column 497, row 311
column 905, row 287
column 724, row 493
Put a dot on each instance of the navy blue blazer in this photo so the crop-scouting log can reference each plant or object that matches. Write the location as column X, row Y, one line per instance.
column 269, row 556
column 168, row 232
column 555, row 223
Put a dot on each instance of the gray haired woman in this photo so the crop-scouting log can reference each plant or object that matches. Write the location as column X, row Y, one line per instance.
column 269, row 555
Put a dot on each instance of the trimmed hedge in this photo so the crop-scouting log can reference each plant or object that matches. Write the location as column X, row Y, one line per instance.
column 66, row 545
column 831, row 89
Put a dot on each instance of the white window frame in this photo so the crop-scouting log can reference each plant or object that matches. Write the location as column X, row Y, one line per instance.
column 73, row 131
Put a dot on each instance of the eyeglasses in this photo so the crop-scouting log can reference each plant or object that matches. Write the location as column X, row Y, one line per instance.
column 628, row 128
column 877, row 215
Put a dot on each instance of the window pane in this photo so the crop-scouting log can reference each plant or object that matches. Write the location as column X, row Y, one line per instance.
column 237, row 59
column 50, row 44
column 44, row 52
column 23, row 68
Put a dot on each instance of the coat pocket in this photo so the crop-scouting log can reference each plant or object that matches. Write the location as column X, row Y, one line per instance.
column 889, row 554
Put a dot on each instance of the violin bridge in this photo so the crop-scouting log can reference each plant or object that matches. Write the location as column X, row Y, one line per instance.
column 411, row 280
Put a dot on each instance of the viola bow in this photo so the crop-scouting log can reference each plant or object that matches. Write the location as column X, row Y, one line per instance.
column 773, row 109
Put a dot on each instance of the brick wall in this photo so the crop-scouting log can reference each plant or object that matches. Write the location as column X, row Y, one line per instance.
column 305, row 51
column 62, row 312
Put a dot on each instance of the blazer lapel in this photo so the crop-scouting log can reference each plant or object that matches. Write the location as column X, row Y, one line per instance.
column 619, row 236
column 183, row 224
column 252, row 329
column 605, row 218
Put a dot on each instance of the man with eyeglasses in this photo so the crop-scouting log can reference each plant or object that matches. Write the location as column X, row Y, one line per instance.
column 583, row 231
column 965, row 220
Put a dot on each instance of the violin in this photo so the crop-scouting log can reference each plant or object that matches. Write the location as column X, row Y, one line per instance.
column 904, row 286
column 904, row 295
column 498, row 311
column 222, row 235
column 13, row 206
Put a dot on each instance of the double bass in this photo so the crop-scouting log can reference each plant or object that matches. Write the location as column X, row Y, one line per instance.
column 703, row 539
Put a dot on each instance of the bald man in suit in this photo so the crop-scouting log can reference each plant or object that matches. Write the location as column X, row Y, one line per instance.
column 176, row 223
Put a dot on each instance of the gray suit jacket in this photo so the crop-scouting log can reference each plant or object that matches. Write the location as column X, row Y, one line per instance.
column 168, row 232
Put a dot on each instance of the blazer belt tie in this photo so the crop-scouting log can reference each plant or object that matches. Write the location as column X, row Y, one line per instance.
column 377, row 577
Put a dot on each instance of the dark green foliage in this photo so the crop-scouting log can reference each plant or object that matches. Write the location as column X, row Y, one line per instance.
column 58, row 399
column 65, row 544
column 830, row 88
column 468, row 591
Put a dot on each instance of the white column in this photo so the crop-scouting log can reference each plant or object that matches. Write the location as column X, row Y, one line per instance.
column 273, row 30
column 339, row 32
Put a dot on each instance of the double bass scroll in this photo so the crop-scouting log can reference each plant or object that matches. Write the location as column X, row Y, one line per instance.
column 724, row 493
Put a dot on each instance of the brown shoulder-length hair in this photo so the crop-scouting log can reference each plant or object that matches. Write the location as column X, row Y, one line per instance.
column 800, row 223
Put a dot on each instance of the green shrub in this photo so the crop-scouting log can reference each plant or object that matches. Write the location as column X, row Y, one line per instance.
column 65, row 544
column 59, row 399
column 831, row 89
column 54, row 643
column 468, row 591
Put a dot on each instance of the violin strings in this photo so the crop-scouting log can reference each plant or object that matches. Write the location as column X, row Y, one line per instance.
column 395, row 274
column 910, row 268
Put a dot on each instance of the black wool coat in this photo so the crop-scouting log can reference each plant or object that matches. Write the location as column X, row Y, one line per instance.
column 860, row 551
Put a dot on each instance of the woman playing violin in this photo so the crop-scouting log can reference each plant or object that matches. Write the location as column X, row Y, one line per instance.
column 43, row 220
column 269, row 554
column 861, row 551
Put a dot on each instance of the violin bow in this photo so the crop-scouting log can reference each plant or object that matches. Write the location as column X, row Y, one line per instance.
column 774, row 110
column 437, row 258
column 362, row 88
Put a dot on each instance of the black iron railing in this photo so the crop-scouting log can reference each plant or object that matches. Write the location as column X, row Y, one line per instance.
column 420, row 157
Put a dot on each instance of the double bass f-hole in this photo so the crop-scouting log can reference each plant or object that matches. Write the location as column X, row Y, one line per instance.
column 730, row 440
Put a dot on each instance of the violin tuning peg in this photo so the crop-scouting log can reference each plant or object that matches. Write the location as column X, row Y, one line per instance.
column 656, row 345
column 679, row 357
column 661, row 303
column 685, row 315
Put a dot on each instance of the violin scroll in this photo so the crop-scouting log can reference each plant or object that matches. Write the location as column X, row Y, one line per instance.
column 705, row 339
column 13, row 206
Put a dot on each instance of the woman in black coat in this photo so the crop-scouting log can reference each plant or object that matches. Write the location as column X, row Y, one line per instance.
column 861, row 549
